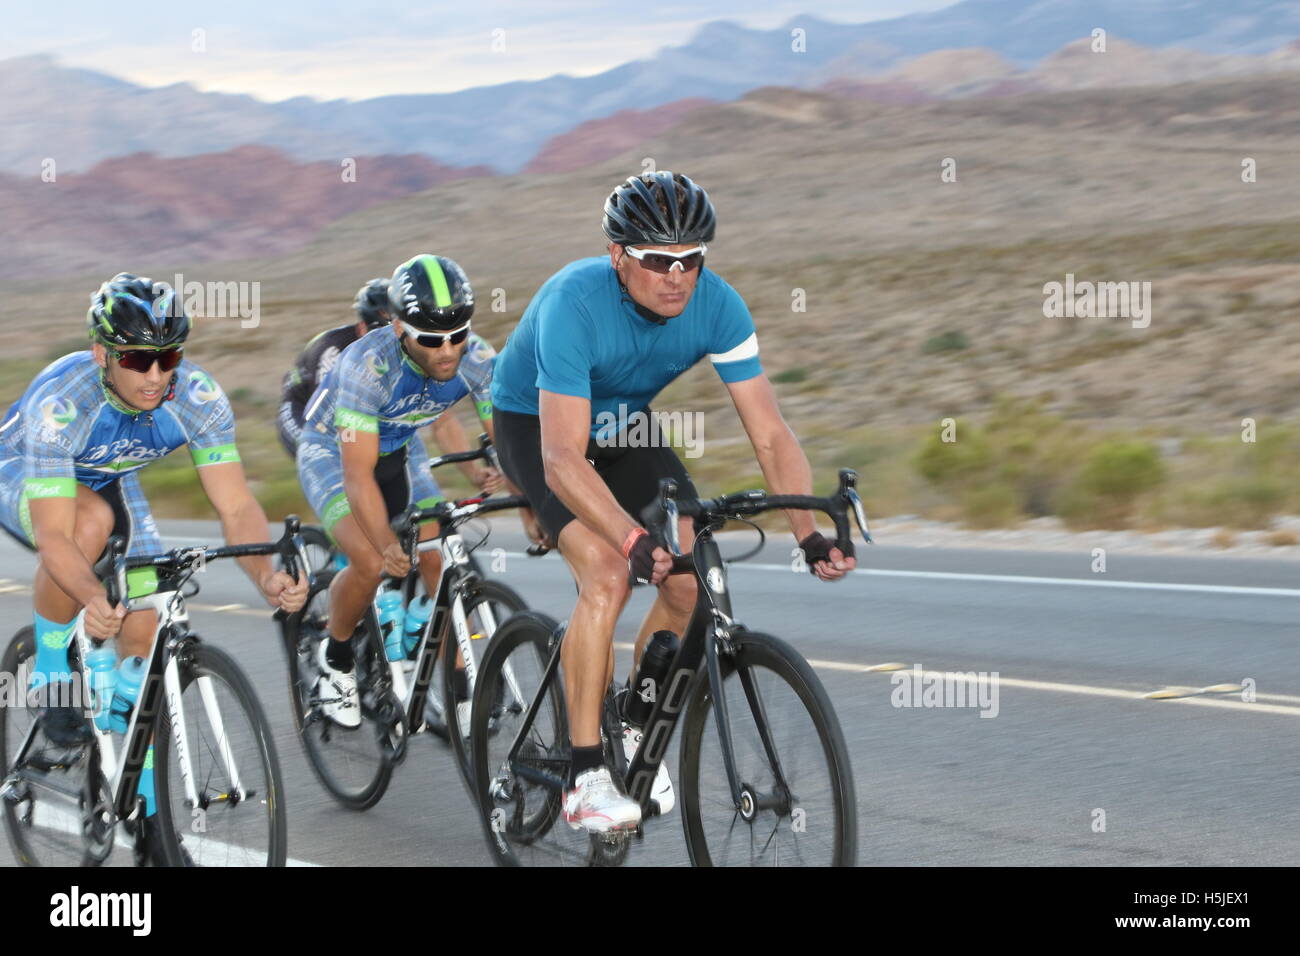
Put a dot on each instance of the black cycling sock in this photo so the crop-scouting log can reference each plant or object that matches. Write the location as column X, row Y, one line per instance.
column 338, row 654
column 584, row 759
column 460, row 684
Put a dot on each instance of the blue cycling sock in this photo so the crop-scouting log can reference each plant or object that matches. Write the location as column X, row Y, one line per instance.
column 145, row 787
column 51, row 661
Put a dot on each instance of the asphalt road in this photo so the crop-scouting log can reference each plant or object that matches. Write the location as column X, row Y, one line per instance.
column 1206, row 779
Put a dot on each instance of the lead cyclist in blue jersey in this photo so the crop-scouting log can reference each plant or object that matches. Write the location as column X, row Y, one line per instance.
column 597, row 343
column 71, row 449
column 360, row 459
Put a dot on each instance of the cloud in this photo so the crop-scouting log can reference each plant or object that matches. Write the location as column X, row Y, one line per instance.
column 333, row 49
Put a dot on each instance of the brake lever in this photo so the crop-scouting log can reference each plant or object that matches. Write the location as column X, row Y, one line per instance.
column 671, row 515
column 859, row 515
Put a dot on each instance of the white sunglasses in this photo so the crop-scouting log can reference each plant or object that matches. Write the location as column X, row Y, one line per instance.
column 434, row 340
column 664, row 262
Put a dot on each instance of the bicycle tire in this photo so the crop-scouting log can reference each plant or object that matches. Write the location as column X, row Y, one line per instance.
column 359, row 790
column 836, row 826
column 505, row 602
column 523, row 641
column 251, row 745
column 320, row 549
column 64, row 844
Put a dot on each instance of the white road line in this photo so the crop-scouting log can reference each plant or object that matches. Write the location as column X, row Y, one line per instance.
column 1061, row 688
column 1025, row 579
column 66, row 822
column 1087, row 689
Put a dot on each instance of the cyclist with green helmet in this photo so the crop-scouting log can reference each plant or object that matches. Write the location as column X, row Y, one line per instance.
column 360, row 459
column 71, row 449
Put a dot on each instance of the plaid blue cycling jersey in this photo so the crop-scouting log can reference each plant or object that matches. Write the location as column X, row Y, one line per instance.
column 580, row 335
column 375, row 387
column 68, row 429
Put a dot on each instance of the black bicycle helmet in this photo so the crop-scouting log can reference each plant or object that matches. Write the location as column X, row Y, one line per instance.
column 431, row 294
column 371, row 304
column 659, row 209
column 132, row 310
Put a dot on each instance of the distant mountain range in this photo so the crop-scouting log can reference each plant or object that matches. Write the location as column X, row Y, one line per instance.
column 254, row 201
column 243, row 203
column 79, row 117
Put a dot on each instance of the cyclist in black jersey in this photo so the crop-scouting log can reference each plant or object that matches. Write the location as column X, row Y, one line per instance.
column 321, row 354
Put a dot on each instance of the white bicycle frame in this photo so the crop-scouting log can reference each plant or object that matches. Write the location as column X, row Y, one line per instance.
column 170, row 608
column 454, row 554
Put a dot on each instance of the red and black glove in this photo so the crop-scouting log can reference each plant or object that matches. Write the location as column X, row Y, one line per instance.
column 639, row 549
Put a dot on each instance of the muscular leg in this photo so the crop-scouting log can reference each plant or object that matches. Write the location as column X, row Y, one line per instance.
column 90, row 534
column 353, row 588
column 588, row 651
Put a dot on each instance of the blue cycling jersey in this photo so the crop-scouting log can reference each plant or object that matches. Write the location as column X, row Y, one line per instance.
column 581, row 335
column 69, row 429
column 375, row 387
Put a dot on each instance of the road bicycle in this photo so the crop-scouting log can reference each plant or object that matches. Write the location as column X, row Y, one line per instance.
column 771, row 786
column 220, row 797
column 356, row 764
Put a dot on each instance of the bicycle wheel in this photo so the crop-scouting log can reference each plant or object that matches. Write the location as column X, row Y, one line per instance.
column 798, row 806
column 352, row 764
column 320, row 549
column 240, row 818
column 486, row 610
column 518, row 813
column 47, row 812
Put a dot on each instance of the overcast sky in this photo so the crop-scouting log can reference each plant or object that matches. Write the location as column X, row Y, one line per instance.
column 275, row 49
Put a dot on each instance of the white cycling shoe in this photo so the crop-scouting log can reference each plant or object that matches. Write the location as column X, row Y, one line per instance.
column 337, row 691
column 662, row 791
column 595, row 805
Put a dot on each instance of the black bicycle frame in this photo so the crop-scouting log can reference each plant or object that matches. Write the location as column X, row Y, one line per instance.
column 711, row 615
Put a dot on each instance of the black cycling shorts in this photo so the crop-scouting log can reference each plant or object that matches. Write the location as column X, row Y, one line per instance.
column 632, row 474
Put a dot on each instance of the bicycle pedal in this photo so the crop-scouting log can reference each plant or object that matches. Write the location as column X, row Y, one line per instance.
column 11, row 790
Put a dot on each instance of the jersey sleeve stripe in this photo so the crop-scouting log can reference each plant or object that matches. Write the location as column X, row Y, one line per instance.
column 747, row 349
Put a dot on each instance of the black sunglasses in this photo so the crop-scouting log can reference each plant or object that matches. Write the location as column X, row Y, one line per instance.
column 141, row 360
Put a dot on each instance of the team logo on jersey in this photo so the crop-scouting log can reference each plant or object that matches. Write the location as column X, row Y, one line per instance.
column 202, row 388
column 377, row 365
column 328, row 360
column 57, row 413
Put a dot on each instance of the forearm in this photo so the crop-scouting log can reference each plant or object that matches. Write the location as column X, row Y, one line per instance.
column 577, row 485
column 367, row 504
column 787, row 472
column 247, row 524
column 451, row 438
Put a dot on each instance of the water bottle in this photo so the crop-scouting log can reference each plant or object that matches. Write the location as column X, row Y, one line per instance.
column 101, row 663
column 130, row 675
column 391, row 613
column 648, row 683
column 417, row 616
column 340, row 561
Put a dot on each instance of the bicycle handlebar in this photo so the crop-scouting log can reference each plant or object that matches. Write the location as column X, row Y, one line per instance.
column 451, row 513
column 485, row 450
column 660, row 516
column 112, row 568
